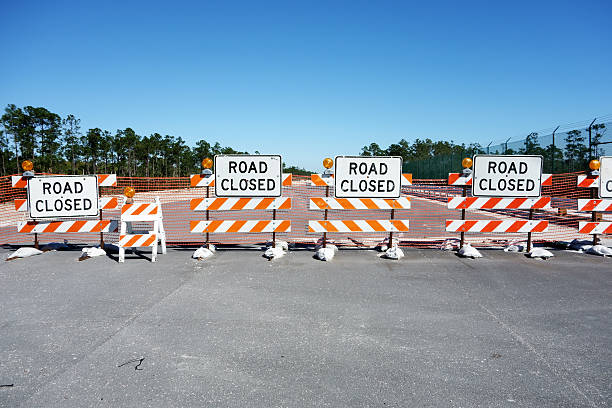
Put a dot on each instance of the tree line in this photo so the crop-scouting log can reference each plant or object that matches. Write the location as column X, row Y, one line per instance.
column 59, row 145
column 433, row 159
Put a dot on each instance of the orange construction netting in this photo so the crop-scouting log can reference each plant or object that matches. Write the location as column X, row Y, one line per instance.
column 427, row 215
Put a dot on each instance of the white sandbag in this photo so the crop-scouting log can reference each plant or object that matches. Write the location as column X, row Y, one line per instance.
column 274, row 252
column 202, row 253
column 540, row 253
column 93, row 251
column 24, row 252
column 468, row 251
column 394, row 253
column 516, row 246
column 599, row 250
column 327, row 253
column 279, row 244
column 384, row 245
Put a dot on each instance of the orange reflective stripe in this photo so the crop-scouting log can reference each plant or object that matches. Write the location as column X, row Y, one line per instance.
column 133, row 240
column 213, row 226
column 516, row 226
column 352, row 225
column 540, row 226
column 195, row 202
column 286, row 204
column 239, row 205
column 284, row 226
column 399, row 225
column 328, row 226
column 490, row 226
column 259, row 226
column 346, row 204
column 369, row 203
column 76, row 226
column 375, row 225
column 235, row 227
column 150, row 240
column 264, row 204
column 217, row 203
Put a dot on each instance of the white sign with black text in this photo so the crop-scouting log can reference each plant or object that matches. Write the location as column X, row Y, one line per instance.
column 368, row 177
column 238, row 175
column 63, row 196
column 507, row 176
column 605, row 177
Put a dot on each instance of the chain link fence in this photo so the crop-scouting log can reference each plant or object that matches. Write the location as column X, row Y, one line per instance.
column 563, row 151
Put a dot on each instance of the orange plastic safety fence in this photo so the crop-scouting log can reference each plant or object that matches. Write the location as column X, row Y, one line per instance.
column 426, row 229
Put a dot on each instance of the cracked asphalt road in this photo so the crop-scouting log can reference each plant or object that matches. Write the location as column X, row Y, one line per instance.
column 236, row 330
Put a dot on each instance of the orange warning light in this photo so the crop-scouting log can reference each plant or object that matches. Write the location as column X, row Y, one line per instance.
column 207, row 163
column 27, row 165
column 594, row 165
column 466, row 163
column 129, row 192
column 328, row 163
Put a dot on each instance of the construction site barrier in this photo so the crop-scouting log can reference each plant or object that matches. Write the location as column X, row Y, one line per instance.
column 72, row 226
column 134, row 214
column 427, row 214
column 244, row 226
column 595, row 206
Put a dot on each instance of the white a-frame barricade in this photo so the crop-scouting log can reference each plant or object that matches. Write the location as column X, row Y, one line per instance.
column 503, row 183
column 361, row 183
column 131, row 238
column 242, row 182
column 51, row 198
column 602, row 182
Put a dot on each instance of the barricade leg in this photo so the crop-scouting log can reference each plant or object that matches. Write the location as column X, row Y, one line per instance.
column 122, row 231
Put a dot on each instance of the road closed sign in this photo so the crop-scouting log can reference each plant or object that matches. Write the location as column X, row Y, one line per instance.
column 605, row 177
column 368, row 177
column 507, row 176
column 63, row 196
column 239, row 175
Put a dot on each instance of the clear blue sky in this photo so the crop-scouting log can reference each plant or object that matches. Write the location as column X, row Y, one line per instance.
column 311, row 79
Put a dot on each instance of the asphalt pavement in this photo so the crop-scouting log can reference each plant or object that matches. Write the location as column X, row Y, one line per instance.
column 430, row 330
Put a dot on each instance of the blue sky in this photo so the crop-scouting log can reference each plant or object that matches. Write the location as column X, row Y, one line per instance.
column 311, row 79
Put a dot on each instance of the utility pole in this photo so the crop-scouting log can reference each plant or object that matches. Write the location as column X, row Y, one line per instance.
column 589, row 129
column 552, row 153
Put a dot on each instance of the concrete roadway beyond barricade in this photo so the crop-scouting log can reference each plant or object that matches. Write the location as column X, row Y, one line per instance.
column 236, row 330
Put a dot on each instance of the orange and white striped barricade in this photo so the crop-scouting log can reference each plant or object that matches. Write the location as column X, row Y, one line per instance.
column 199, row 204
column 327, row 180
column 131, row 238
column 248, row 196
column 38, row 226
column 237, row 204
column 595, row 205
column 508, row 202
